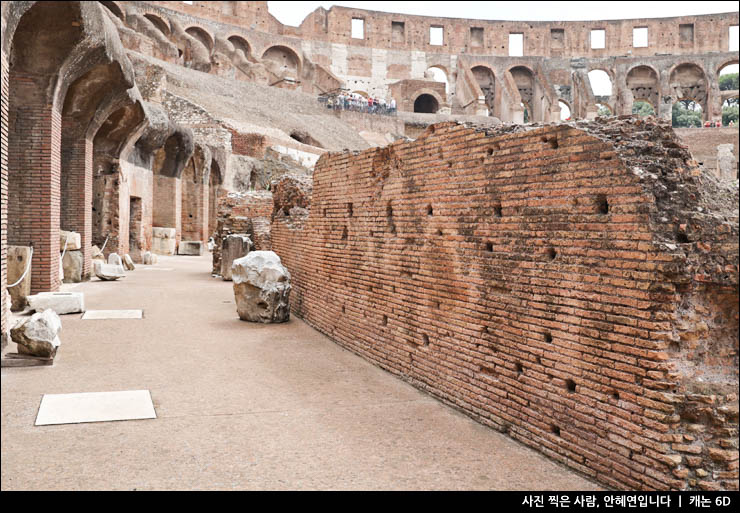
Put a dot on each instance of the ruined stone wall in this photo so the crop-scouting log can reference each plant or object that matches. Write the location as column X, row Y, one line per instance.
column 703, row 142
column 546, row 282
column 3, row 199
column 248, row 212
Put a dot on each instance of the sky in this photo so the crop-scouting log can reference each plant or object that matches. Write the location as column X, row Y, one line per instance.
column 293, row 13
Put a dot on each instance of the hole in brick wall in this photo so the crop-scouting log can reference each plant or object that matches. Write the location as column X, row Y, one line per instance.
column 519, row 368
column 430, row 210
column 555, row 430
column 324, row 212
column 484, row 329
column 437, row 305
column 497, row 210
column 548, row 338
column 602, row 205
column 538, row 360
column 344, row 233
column 489, row 151
column 570, row 385
column 424, row 340
column 489, row 247
column 608, row 157
column 385, row 320
column 350, row 209
column 389, row 218
column 487, row 371
column 682, row 238
column 551, row 253
column 190, row 215
column 615, row 395
column 343, row 309
column 449, row 164
column 439, row 232
column 674, row 346
column 553, row 143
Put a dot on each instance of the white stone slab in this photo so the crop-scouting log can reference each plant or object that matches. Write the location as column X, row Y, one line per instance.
column 157, row 268
column 95, row 407
column 112, row 314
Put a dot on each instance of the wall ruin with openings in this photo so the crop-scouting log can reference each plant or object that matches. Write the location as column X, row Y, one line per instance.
column 573, row 286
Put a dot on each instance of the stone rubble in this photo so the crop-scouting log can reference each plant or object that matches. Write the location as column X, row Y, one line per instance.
column 38, row 335
column 261, row 287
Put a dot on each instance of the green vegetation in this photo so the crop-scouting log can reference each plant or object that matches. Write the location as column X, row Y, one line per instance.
column 686, row 113
column 729, row 113
column 642, row 109
column 728, row 82
column 604, row 111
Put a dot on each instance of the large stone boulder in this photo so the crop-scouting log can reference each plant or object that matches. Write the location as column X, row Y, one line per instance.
column 115, row 259
column 72, row 265
column 108, row 272
column 18, row 260
column 59, row 302
column 97, row 254
column 190, row 247
column 261, row 287
column 38, row 335
column 233, row 247
column 164, row 240
column 71, row 239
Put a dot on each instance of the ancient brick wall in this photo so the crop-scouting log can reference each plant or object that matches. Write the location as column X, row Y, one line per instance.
column 545, row 282
column 3, row 199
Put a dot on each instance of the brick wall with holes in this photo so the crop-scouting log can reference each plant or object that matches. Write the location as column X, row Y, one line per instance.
column 516, row 276
column 252, row 145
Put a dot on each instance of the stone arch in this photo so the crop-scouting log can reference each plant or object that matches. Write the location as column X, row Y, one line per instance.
column 160, row 23
column 643, row 82
column 438, row 73
column 287, row 60
column 215, row 180
column 689, row 81
column 240, row 43
column 202, row 35
column 724, row 64
column 115, row 8
column 525, row 82
column 567, row 105
column 65, row 62
column 426, row 103
column 486, row 79
column 594, row 74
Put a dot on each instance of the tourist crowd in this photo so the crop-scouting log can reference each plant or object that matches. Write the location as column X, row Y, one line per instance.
column 359, row 103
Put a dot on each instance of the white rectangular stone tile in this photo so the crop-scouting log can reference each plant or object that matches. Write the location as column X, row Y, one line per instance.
column 112, row 314
column 95, row 407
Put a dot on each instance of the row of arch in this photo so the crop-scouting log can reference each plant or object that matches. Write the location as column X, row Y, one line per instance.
column 288, row 59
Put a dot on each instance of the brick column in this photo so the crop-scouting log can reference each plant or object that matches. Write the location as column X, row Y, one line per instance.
column 3, row 199
column 34, row 149
column 76, row 189
column 167, row 203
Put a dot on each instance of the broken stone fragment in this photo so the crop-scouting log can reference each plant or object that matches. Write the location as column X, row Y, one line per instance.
column 72, row 240
column 72, row 264
column 128, row 263
column 18, row 261
column 115, row 259
column 97, row 254
column 108, row 272
column 261, row 287
column 190, row 247
column 149, row 258
column 164, row 240
column 59, row 302
column 233, row 247
column 37, row 335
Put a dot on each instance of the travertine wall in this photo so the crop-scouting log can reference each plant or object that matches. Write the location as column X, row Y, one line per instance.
column 574, row 288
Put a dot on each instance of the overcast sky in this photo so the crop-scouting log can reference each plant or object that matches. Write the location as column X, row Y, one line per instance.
column 293, row 13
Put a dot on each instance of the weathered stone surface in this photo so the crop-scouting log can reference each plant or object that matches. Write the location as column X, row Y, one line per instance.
column 233, row 247
column 60, row 302
column 291, row 191
column 97, row 254
column 108, row 272
column 72, row 265
column 261, row 287
column 726, row 163
column 18, row 260
column 72, row 240
column 190, row 247
column 115, row 259
column 37, row 335
column 128, row 263
column 164, row 240
column 149, row 258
